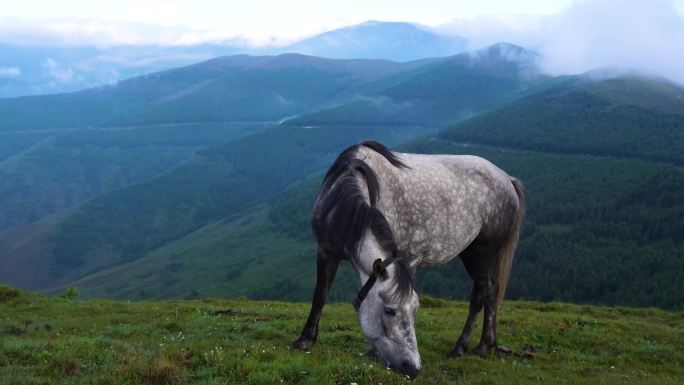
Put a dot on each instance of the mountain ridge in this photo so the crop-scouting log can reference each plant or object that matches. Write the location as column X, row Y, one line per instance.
column 399, row 41
column 37, row 69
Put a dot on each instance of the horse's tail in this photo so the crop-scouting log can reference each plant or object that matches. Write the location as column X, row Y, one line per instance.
column 508, row 250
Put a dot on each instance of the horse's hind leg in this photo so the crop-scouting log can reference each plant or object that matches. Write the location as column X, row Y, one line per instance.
column 488, row 339
column 326, row 268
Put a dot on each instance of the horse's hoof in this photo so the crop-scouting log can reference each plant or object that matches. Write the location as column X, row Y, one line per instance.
column 481, row 351
column 457, row 352
column 302, row 343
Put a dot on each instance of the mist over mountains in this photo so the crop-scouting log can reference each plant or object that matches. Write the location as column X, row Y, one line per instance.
column 640, row 36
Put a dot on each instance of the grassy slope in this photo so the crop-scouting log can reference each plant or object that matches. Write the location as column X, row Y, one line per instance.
column 61, row 341
column 246, row 256
column 216, row 184
column 66, row 168
column 224, row 258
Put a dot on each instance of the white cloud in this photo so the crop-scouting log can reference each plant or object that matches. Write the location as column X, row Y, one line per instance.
column 645, row 35
column 101, row 33
column 56, row 72
column 10, row 72
column 641, row 35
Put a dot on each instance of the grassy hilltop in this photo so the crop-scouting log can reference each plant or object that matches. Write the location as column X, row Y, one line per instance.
column 62, row 340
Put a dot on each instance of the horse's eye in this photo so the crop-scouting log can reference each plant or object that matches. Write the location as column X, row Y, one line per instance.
column 391, row 312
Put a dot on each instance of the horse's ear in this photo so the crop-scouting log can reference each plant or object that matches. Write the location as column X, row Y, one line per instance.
column 379, row 269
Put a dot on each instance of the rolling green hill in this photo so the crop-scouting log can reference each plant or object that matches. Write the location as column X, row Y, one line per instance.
column 66, row 168
column 195, row 209
column 58, row 151
column 447, row 91
column 599, row 229
column 64, row 341
column 228, row 89
column 217, row 183
column 625, row 211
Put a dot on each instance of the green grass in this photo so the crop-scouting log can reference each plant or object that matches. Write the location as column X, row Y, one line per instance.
column 60, row 340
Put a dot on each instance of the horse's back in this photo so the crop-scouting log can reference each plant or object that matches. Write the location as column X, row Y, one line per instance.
column 441, row 203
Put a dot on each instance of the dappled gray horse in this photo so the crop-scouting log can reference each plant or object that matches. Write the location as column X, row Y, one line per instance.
column 389, row 213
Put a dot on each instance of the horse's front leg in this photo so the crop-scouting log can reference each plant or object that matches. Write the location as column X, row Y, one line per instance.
column 326, row 268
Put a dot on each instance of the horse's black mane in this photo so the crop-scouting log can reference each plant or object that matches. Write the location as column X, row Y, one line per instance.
column 342, row 215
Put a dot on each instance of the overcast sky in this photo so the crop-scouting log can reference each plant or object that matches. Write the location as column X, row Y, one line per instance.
column 572, row 35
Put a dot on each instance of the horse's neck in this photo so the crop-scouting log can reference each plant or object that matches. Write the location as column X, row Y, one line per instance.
column 369, row 251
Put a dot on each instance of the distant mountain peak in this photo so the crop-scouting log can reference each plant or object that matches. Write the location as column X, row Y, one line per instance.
column 397, row 41
column 383, row 24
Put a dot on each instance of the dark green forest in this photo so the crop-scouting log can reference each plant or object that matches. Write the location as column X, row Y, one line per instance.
column 219, row 182
column 580, row 119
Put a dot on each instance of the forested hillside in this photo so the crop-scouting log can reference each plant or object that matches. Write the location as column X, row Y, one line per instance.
column 599, row 229
column 447, row 91
column 195, row 209
column 615, row 117
column 135, row 150
column 227, row 89
column 215, row 184
column 49, row 172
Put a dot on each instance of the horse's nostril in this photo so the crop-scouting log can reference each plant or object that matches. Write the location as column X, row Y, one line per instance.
column 409, row 369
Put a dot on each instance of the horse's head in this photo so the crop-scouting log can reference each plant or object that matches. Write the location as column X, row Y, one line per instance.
column 387, row 316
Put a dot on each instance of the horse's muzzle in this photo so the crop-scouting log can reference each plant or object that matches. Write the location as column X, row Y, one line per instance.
column 409, row 369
